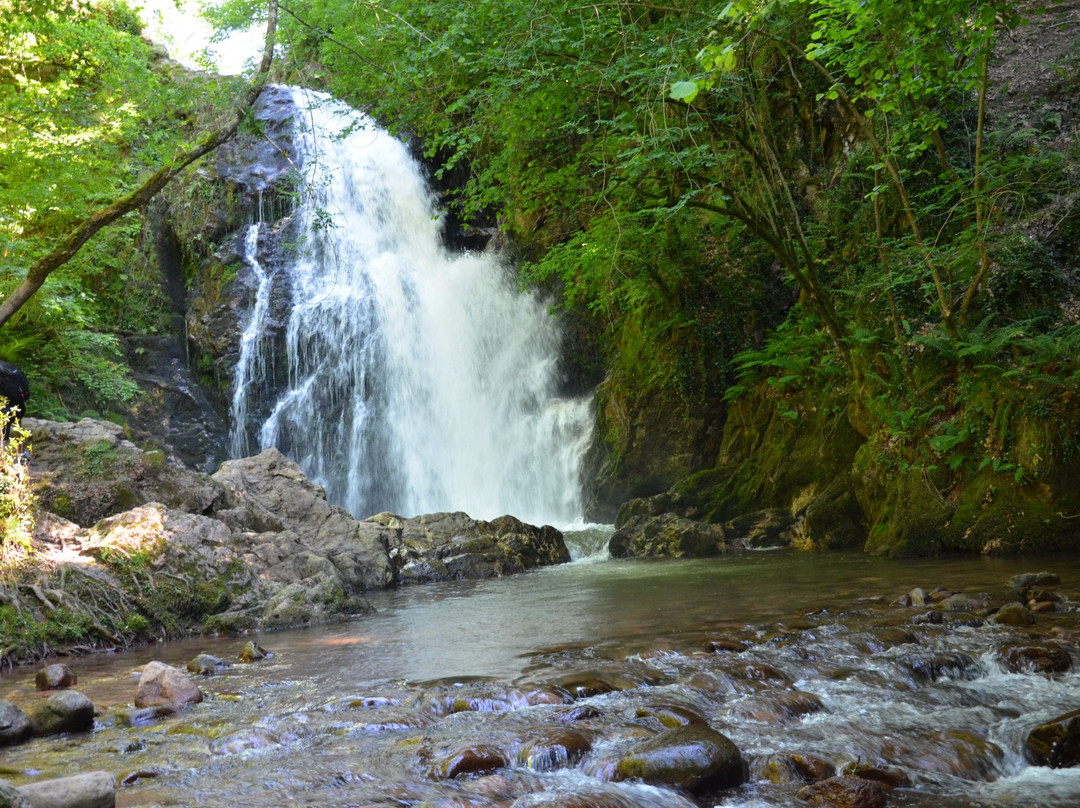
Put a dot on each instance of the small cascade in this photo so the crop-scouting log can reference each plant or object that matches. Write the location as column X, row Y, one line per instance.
column 251, row 367
column 419, row 380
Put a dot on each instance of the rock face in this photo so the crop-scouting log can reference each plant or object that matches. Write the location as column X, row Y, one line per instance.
column 255, row 546
column 88, row 470
column 669, row 536
column 449, row 546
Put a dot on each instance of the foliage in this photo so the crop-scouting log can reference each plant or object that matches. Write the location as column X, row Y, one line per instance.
column 17, row 501
column 85, row 111
column 661, row 166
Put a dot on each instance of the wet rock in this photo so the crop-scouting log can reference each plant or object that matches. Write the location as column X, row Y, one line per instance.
column 454, row 546
column 928, row 618
column 252, row 652
column 844, row 792
column 779, row 707
column 601, row 796
column 778, row 769
column 164, row 685
column 584, row 712
column 15, row 727
column 553, row 750
column 476, row 759
column 10, row 797
column 206, row 665
column 886, row 776
column 813, row 768
column 1025, row 581
column 931, row 666
column 142, row 716
column 1043, row 657
column 950, row 752
column 693, row 757
column 725, row 645
column 1055, row 743
column 585, row 685
column 961, row 602
column 66, row 711
column 90, row 790
column 669, row 716
column 55, row 677
column 1013, row 614
column 670, row 536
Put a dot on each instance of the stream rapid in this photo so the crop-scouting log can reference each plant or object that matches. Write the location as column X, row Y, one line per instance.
column 556, row 672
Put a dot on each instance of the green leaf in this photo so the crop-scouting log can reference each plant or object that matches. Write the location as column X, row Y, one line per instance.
column 685, row 91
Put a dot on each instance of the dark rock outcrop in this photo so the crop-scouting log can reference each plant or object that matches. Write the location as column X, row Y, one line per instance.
column 670, row 536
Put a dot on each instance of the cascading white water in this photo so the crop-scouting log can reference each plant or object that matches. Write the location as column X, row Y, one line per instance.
column 251, row 365
column 419, row 380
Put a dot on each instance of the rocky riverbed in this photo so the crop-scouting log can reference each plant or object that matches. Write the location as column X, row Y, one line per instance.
column 884, row 694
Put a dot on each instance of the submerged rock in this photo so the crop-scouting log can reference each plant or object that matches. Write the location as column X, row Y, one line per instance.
column 253, row 652
column 206, row 665
column 66, row 711
column 1042, row 657
column 475, row 759
column 693, row 757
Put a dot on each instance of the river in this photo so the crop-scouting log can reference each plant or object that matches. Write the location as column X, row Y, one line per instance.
column 373, row 711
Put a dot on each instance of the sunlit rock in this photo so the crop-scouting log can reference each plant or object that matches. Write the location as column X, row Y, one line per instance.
column 66, row 711
column 693, row 757
column 164, row 685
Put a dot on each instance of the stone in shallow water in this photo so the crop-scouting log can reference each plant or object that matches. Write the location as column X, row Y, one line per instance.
column 1014, row 614
column 164, row 685
column 845, row 791
column 693, row 757
column 475, row 759
column 15, row 727
column 1055, row 743
column 252, row 652
column 55, row 677
column 554, row 749
column 66, row 711
column 89, row 790
column 206, row 665
column 1042, row 657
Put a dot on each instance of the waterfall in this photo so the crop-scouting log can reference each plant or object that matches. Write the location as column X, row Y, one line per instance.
column 419, row 380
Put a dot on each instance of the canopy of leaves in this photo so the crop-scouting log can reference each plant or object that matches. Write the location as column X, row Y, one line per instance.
column 86, row 108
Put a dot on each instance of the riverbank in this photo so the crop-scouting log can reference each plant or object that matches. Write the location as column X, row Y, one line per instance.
column 555, row 677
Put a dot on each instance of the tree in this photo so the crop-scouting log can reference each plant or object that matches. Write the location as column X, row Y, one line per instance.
column 67, row 42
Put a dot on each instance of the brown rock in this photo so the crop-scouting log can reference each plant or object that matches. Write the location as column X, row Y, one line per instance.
column 55, row 677
column 1013, row 614
column 1043, row 657
column 1055, row 743
column 693, row 757
column 164, row 685
column 845, row 791
column 471, row 760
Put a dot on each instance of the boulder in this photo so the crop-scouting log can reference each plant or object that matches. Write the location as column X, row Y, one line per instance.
column 89, row 790
column 55, row 677
column 1055, row 743
column 669, row 536
column 473, row 759
column 164, row 685
column 693, row 757
column 270, row 493
column 15, row 727
column 253, row 652
column 66, row 711
column 11, row 797
column 452, row 546
column 88, row 470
